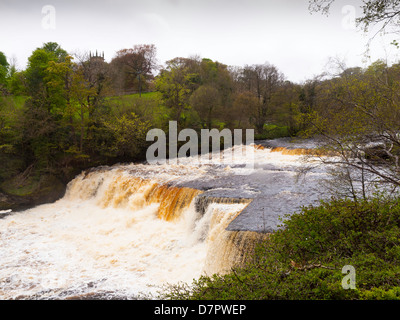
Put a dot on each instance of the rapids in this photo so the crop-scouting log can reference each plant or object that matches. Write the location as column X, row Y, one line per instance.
column 127, row 230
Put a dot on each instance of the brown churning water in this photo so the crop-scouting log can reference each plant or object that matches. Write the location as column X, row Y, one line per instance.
column 130, row 229
column 113, row 234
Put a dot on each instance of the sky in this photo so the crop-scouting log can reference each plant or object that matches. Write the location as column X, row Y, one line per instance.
column 234, row 32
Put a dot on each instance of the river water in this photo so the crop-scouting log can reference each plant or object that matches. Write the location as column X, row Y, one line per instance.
column 127, row 230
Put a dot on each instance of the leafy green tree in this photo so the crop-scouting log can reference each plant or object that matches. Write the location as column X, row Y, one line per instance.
column 206, row 101
column 54, row 48
column 215, row 74
column 129, row 133
column 16, row 81
column 36, row 72
column 61, row 101
column 243, row 104
column 4, row 66
column 206, row 81
column 176, row 85
column 288, row 106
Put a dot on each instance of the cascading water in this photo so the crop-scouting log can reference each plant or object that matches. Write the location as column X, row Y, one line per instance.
column 126, row 230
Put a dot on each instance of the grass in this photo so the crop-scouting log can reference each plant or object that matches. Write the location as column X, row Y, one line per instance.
column 14, row 187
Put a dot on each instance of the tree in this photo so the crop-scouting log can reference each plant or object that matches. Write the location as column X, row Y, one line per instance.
column 385, row 13
column 359, row 121
column 206, row 100
column 4, row 66
column 46, row 134
column 129, row 133
column 176, row 83
column 80, row 93
column 16, row 83
column 15, row 79
column 91, row 85
column 63, row 98
column 37, row 71
column 288, row 106
column 138, row 62
column 243, row 104
column 264, row 81
column 54, row 48
column 96, row 74
column 217, row 75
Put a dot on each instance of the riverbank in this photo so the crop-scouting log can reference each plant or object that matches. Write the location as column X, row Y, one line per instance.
column 27, row 189
column 339, row 250
column 20, row 196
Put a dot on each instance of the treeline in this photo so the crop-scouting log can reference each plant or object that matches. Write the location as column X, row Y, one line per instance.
column 356, row 115
column 66, row 112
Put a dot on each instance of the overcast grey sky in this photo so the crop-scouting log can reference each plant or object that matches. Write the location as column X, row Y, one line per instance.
column 234, row 32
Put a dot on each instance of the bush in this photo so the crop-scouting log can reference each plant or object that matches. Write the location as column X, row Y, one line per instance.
column 273, row 132
column 129, row 132
column 304, row 260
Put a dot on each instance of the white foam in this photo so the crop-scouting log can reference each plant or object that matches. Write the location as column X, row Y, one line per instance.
column 83, row 243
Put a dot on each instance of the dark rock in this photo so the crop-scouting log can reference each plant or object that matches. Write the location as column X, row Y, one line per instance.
column 376, row 152
column 48, row 189
column 13, row 202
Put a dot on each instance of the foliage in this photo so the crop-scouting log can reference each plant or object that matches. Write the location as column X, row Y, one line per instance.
column 3, row 69
column 384, row 13
column 67, row 108
column 176, row 84
column 148, row 106
column 356, row 116
column 304, row 259
column 137, row 65
column 10, row 136
column 65, row 123
column 264, row 81
column 130, row 135
column 273, row 132
column 205, row 100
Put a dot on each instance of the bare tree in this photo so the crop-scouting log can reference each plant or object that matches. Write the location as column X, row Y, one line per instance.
column 96, row 73
column 139, row 62
column 382, row 13
column 358, row 121
column 263, row 80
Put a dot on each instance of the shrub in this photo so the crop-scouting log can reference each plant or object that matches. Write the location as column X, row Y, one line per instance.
column 304, row 259
column 273, row 132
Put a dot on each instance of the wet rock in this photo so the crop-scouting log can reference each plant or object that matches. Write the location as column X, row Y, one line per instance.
column 46, row 190
column 12, row 202
column 376, row 152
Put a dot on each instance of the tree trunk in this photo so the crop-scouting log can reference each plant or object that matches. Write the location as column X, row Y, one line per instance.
column 82, row 130
column 140, row 86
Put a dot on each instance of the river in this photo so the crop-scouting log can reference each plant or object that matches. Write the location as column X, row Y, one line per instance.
column 127, row 230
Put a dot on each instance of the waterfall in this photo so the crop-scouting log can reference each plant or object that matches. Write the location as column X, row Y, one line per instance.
column 120, row 190
column 113, row 234
column 127, row 230
column 227, row 249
